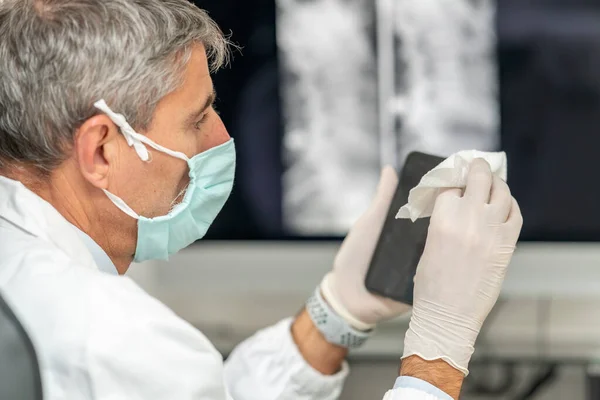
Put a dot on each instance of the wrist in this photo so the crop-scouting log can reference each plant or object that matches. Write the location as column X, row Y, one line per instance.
column 338, row 307
column 433, row 337
column 436, row 372
column 333, row 327
column 323, row 356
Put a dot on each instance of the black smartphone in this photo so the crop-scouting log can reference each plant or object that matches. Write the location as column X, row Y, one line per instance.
column 402, row 241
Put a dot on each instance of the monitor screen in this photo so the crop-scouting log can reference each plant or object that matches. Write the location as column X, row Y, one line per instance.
column 326, row 92
column 363, row 84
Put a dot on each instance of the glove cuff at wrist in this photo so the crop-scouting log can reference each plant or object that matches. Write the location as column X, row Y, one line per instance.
column 339, row 308
column 431, row 349
column 334, row 328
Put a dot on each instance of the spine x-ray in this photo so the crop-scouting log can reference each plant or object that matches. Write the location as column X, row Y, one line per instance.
column 364, row 83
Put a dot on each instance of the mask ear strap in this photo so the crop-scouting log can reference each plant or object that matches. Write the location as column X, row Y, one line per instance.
column 156, row 146
column 121, row 205
column 133, row 138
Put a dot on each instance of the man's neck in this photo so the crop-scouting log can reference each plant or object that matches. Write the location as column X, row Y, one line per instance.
column 85, row 208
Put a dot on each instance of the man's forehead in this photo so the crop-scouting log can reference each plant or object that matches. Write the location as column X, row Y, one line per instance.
column 198, row 82
column 196, row 86
column 198, row 63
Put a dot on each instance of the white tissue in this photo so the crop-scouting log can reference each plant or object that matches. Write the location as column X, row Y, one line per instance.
column 451, row 173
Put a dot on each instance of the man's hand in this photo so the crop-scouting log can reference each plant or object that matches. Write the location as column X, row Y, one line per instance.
column 344, row 288
column 471, row 240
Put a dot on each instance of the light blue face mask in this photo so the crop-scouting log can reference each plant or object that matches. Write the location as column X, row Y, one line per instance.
column 211, row 180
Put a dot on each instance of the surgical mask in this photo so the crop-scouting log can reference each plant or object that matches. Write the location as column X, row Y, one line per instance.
column 211, row 181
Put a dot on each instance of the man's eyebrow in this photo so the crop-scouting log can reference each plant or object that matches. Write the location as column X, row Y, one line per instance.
column 210, row 100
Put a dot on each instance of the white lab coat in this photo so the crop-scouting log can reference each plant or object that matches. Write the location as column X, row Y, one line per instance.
column 99, row 336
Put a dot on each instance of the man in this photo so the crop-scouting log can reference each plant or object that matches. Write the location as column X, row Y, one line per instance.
column 111, row 151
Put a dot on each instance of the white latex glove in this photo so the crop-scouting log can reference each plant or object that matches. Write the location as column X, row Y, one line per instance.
column 470, row 243
column 344, row 288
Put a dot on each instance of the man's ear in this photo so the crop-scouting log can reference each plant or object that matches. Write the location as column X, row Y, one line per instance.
column 96, row 146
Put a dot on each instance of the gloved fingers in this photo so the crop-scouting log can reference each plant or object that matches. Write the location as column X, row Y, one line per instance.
column 515, row 218
column 501, row 199
column 388, row 183
column 449, row 192
column 391, row 308
column 479, row 181
column 443, row 201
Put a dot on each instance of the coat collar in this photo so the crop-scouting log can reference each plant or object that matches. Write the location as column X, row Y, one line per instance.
column 29, row 212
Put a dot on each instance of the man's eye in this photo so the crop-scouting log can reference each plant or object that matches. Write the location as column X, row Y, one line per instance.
column 198, row 124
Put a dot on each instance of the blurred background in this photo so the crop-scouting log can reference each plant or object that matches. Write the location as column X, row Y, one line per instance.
column 326, row 92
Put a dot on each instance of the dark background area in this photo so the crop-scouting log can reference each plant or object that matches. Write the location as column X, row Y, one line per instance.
column 248, row 100
column 549, row 57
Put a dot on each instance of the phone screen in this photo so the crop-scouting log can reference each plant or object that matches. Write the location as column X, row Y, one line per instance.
column 401, row 242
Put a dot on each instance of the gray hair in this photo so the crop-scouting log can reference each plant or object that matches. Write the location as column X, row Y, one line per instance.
column 57, row 57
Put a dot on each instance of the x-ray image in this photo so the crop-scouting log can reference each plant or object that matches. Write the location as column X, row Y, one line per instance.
column 366, row 82
column 445, row 78
column 329, row 74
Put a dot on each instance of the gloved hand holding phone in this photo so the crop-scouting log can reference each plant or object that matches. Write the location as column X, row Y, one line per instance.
column 471, row 239
column 344, row 288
